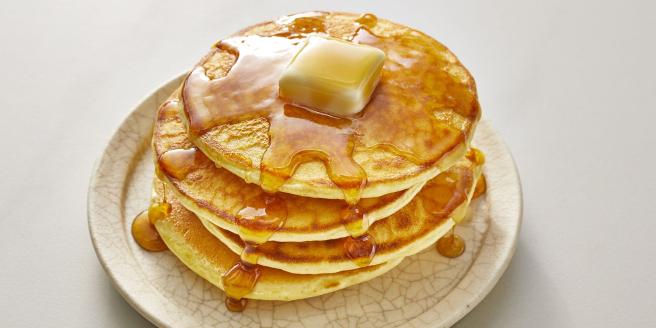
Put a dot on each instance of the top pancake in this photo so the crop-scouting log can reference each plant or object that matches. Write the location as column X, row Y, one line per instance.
column 418, row 123
column 218, row 196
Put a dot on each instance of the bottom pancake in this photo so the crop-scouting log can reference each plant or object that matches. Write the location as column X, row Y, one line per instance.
column 200, row 251
column 441, row 204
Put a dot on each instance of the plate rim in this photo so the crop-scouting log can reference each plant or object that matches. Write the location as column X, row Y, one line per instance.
column 155, row 315
column 118, row 284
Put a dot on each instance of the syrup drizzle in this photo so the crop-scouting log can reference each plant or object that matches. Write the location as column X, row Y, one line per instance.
column 298, row 135
column 260, row 218
column 401, row 115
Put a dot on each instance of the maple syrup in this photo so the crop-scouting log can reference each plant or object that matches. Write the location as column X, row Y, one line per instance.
column 143, row 226
column 261, row 217
column 235, row 305
column 420, row 80
column 361, row 250
column 481, row 187
column 451, row 245
column 258, row 220
column 249, row 254
column 360, row 247
column 299, row 25
column 143, row 230
column 240, row 280
column 475, row 156
column 353, row 220
column 367, row 20
column 444, row 194
column 178, row 163
column 158, row 210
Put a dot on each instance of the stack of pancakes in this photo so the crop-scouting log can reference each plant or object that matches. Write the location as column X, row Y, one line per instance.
column 313, row 225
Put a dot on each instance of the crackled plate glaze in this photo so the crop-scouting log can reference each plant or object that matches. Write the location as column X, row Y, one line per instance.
column 425, row 290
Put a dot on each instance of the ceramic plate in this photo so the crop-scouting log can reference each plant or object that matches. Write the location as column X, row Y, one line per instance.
column 425, row 290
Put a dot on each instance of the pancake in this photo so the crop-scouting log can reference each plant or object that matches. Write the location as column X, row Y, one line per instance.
column 217, row 195
column 418, row 123
column 199, row 250
column 441, row 204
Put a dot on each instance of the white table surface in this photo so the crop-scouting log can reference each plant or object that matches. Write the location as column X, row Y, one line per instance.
column 568, row 84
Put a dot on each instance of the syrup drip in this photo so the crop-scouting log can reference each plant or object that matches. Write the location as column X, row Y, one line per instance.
column 477, row 157
column 146, row 235
column 261, row 217
column 420, row 80
column 143, row 229
column 353, row 220
column 360, row 246
column 360, row 249
column 258, row 220
column 451, row 245
column 447, row 191
column 240, row 279
column 178, row 163
column 299, row 135
column 441, row 196
column 481, row 187
column 249, row 253
column 367, row 20
column 299, row 25
column 235, row 305
column 158, row 211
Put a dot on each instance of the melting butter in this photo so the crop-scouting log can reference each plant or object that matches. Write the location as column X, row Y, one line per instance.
column 333, row 76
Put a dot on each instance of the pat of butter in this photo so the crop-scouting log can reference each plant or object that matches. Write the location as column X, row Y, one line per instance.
column 332, row 76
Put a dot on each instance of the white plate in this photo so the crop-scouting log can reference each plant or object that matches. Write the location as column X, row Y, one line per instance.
column 425, row 290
